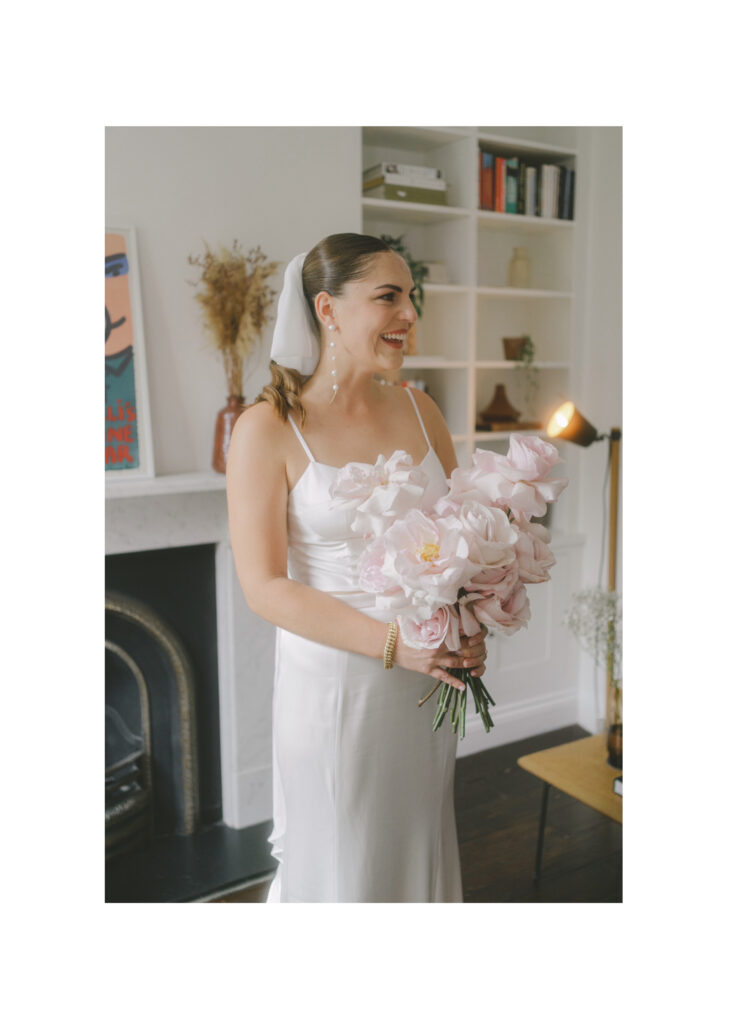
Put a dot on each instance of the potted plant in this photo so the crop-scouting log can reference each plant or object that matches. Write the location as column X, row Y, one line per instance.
column 595, row 618
column 235, row 300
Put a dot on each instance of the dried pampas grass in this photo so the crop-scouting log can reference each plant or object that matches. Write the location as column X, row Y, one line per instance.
column 235, row 300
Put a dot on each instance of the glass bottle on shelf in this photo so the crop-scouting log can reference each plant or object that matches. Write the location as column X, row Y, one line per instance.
column 519, row 271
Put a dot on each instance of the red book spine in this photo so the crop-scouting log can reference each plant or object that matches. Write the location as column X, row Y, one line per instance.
column 490, row 187
column 487, row 182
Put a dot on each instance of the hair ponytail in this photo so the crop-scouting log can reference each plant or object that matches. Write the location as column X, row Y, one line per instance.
column 283, row 393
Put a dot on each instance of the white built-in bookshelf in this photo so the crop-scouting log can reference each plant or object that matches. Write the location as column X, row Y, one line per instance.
column 460, row 355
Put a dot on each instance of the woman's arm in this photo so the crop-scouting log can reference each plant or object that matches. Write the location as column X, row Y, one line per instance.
column 256, row 486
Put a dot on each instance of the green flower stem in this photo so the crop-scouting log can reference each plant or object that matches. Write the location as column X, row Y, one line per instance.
column 445, row 697
column 486, row 717
column 429, row 694
column 455, row 701
column 483, row 699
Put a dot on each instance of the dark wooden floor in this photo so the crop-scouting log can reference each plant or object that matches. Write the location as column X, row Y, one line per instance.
column 497, row 806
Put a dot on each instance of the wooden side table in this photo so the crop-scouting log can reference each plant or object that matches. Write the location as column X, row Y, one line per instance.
column 580, row 769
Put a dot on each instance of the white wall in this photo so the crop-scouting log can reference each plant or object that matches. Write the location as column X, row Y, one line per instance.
column 280, row 188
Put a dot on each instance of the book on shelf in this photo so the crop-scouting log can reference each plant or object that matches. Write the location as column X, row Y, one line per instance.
column 512, row 174
column 436, row 184
column 407, row 194
column 522, row 186
column 499, row 203
column 546, row 207
column 528, row 187
column 549, row 191
column 487, row 173
column 531, row 191
column 413, row 170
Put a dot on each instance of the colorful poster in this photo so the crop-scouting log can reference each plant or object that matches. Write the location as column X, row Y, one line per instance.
column 125, row 398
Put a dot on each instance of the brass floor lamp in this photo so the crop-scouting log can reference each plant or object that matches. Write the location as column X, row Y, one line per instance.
column 568, row 424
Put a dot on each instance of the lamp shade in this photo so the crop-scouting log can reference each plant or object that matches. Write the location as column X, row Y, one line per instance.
column 568, row 424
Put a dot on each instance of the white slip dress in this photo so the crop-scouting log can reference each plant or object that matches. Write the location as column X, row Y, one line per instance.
column 363, row 789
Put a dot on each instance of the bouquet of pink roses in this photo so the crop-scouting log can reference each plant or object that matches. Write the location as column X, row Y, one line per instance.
column 444, row 571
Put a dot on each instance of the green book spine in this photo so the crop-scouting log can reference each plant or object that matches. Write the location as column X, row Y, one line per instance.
column 511, row 194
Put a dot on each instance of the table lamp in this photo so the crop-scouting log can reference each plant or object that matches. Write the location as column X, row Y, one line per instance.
column 568, row 424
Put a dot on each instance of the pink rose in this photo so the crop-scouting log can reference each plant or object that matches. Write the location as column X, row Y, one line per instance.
column 488, row 531
column 507, row 615
column 533, row 555
column 499, row 581
column 531, row 457
column 485, row 481
column 372, row 578
column 380, row 493
column 427, row 634
column 519, row 481
column 466, row 621
column 427, row 558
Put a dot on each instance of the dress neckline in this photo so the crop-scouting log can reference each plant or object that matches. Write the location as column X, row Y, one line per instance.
column 336, row 469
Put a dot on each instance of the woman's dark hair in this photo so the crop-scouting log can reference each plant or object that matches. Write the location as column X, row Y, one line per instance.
column 328, row 267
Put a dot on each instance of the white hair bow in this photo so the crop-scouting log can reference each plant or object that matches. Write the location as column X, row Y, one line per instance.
column 295, row 342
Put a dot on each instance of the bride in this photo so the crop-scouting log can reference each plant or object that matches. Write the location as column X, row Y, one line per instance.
column 363, row 801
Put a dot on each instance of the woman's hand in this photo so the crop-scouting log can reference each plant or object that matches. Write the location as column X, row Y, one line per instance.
column 471, row 656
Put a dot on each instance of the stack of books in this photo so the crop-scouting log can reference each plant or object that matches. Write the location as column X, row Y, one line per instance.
column 406, row 183
column 515, row 185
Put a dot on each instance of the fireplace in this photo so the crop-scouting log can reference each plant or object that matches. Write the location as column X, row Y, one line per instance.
column 161, row 610
column 187, row 702
column 151, row 786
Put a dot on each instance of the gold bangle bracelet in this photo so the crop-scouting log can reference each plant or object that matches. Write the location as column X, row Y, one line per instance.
column 390, row 647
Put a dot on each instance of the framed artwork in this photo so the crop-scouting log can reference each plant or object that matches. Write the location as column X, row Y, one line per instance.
column 127, row 438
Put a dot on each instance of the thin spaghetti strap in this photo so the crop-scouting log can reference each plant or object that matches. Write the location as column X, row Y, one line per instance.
column 416, row 409
column 302, row 440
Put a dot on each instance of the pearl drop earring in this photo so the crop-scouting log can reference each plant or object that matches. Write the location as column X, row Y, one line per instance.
column 333, row 371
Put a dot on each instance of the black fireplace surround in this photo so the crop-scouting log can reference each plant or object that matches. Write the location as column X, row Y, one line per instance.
column 165, row 841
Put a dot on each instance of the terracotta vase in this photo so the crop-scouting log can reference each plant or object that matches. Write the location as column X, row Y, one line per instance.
column 224, row 428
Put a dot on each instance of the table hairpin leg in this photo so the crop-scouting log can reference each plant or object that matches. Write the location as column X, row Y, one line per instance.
column 541, row 828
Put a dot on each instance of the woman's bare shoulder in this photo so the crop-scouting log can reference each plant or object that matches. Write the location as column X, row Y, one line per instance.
column 428, row 408
column 437, row 429
column 259, row 429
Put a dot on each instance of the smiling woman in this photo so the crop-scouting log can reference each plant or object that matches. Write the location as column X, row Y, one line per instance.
column 363, row 787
